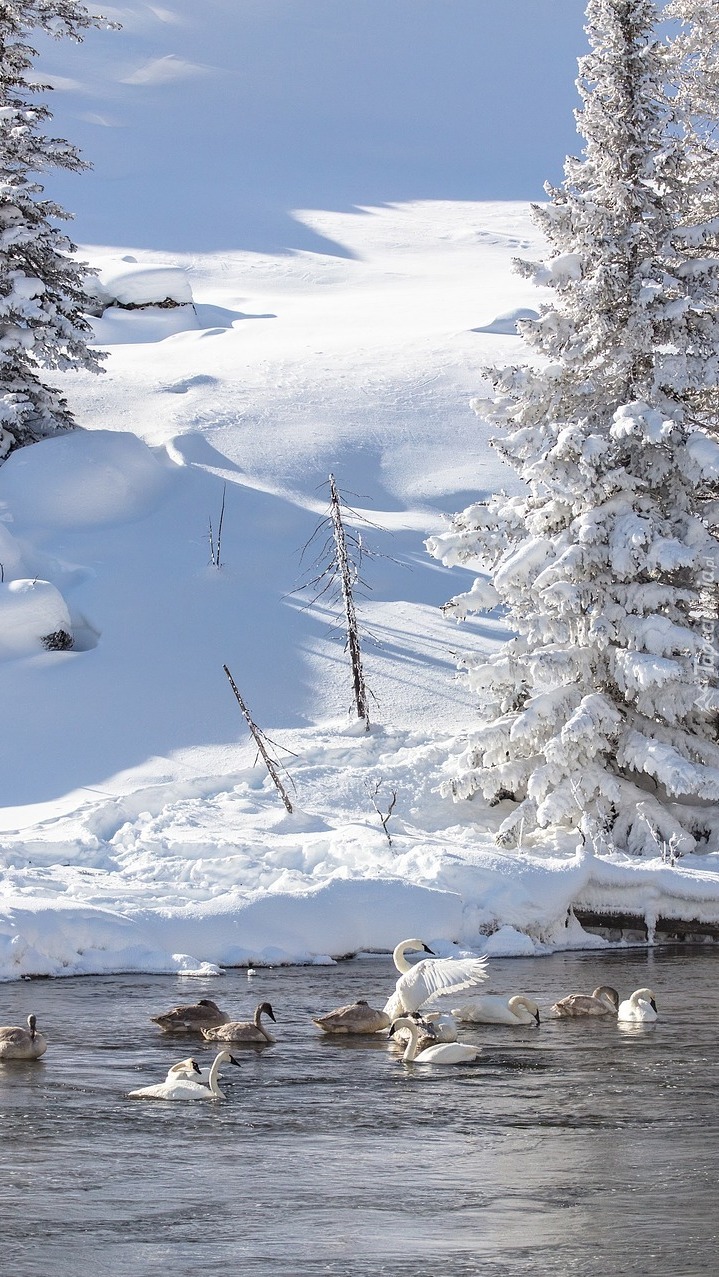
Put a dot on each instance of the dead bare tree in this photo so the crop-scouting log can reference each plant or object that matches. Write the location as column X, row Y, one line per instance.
column 348, row 577
column 341, row 559
column 259, row 738
column 216, row 542
column 384, row 819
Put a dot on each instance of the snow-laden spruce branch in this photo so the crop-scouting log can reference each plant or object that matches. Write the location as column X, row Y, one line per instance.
column 606, row 566
column 42, row 293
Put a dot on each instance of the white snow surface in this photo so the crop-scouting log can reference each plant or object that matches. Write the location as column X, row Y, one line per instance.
column 139, row 832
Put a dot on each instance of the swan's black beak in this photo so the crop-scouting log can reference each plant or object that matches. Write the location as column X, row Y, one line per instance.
column 390, row 1031
column 232, row 1060
column 196, row 1067
column 428, row 950
column 653, row 1004
column 536, row 1016
column 268, row 1011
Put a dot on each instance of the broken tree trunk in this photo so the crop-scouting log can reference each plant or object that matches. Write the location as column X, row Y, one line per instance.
column 259, row 738
column 346, row 575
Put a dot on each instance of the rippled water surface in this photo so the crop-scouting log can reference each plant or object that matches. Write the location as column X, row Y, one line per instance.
column 575, row 1148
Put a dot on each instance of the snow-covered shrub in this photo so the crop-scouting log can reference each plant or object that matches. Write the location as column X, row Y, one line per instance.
column 606, row 701
column 33, row 618
column 133, row 286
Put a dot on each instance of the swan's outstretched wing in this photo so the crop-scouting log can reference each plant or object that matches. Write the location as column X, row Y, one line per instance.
column 435, row 977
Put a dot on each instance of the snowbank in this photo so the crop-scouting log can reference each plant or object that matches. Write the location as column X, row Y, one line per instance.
column 132, row 284
column 506, row 324
column 79, row 480
column 33, row 618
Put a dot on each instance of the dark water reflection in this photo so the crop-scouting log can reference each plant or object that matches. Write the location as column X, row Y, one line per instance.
column 575, row 1148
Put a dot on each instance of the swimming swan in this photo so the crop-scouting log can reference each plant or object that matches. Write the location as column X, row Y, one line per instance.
column 442, row 1053
column 442, row 1024
column 356, row 1017
column 640, row 1006
column 17, row 1043
column 603, row 1001
column 184, row 1068
column 433, row 1028
column 431, row 978
column 204, row 1014
column 243, row 1030
column 178, row 1086
column 490, row 1008
column 191, row 1070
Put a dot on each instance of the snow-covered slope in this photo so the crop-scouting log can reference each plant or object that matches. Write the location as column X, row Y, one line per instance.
column 342, row 332
column 209, row 124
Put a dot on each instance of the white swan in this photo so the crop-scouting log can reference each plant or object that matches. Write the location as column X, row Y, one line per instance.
column 204, row 1014
column 603, row 1001
column 178, row 1086
column 431, row 978
column 640, row 1006
column 491, row 1008
column 243, row 1030
column 356, row 1017
column 184, row 1068
column 442, row 1053
column 18, row 1043
column 442, row 1024
column 191, row 1070
column 433, row 1028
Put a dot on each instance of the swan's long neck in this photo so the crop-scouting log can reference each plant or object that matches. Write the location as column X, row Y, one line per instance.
column 411, row 1048
column 519, row 1000
column 260, row 1026
column 212, row 1079
column 398, row 957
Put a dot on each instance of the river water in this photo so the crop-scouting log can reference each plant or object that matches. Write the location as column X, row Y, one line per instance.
column 580, row 1147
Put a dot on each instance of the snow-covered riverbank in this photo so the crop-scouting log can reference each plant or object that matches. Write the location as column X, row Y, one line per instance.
column 137, row 831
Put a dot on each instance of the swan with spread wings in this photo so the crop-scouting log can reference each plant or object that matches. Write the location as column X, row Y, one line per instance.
column 431, row 978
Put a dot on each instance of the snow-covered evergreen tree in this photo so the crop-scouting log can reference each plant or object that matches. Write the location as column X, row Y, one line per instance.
column 607, row 700
column 694, row 54
column 41, row 284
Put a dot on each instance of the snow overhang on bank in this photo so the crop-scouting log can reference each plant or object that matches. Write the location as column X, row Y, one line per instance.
column 579, row 903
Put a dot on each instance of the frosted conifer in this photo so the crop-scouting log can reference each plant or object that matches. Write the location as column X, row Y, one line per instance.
column 695, row 53
column 606, row 701
column 695, row 73
column 41, row 284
